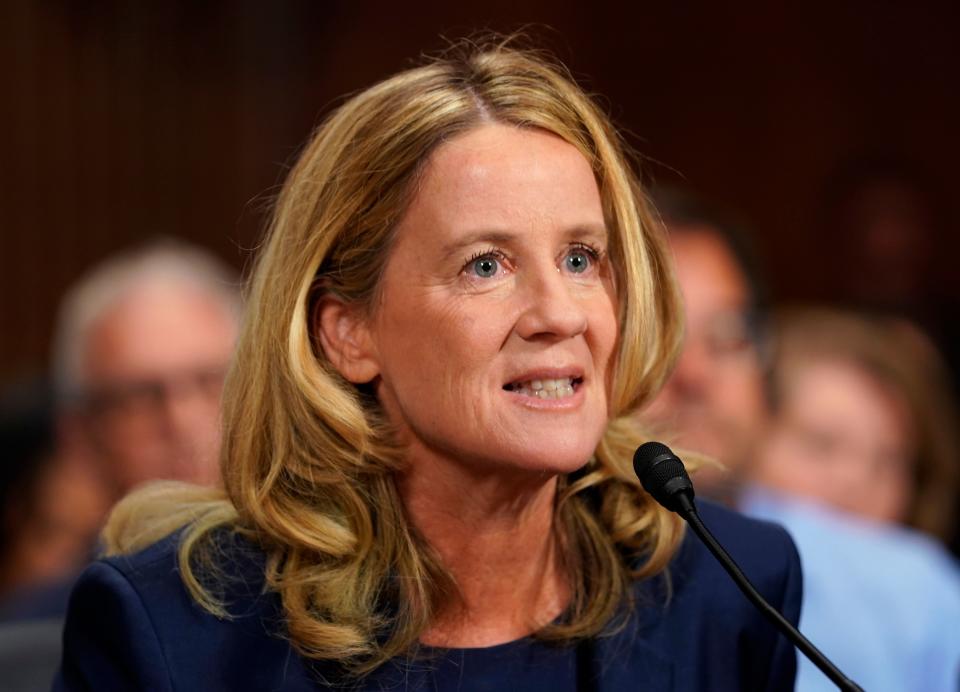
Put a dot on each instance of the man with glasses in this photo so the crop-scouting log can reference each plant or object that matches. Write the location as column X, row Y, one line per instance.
column 881, row 602
column 714, row 403
column 142, row 345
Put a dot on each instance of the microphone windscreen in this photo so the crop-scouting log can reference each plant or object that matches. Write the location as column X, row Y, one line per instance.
column 661, row 473
column 646, row 453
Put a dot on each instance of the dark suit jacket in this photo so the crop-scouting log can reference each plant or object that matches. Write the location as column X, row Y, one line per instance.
column 132, row 626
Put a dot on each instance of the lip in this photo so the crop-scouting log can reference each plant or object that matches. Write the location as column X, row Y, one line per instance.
column 573, row 372
column 565, row 404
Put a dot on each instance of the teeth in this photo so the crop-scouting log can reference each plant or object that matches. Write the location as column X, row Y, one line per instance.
column 545, row 389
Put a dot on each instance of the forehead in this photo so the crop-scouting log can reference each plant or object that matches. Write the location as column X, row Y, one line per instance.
column 503, row 176
column 157, row 327
column 710, row 277
column 842, row 392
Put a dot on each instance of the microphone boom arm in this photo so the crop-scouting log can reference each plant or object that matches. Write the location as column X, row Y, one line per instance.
column 663, row 475
column 687, row 509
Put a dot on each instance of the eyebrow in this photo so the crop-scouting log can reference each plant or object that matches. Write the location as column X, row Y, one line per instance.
column 594, row 232
column 489, row 237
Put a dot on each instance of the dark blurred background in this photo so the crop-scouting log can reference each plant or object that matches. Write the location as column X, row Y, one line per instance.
column 124, row 120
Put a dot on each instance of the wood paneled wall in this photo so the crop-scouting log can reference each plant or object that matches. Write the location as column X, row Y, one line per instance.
column 126, row 119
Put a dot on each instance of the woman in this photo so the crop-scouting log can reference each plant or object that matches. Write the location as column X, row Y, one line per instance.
column 863, row 420
column 861, row 438
column 427, row 441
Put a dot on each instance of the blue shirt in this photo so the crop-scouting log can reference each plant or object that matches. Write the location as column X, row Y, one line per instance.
column 882, row 602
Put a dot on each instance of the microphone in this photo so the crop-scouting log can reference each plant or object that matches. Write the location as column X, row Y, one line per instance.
column 664, row 477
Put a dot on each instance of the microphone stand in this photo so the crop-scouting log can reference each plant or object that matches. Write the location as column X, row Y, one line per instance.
column 688, row 510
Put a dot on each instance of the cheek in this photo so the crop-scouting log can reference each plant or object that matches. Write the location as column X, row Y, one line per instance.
column 429, row 351
column 604, row 337
column 740, row 384
column 893, row 481
column 895, row 503
column 784, row 459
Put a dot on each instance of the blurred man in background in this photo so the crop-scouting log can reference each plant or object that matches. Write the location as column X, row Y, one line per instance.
column 141, row 348
column 881, row 602
column 142, row 343
column 714, row 402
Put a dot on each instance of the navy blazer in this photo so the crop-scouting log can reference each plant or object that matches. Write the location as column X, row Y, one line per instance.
column 131, row 625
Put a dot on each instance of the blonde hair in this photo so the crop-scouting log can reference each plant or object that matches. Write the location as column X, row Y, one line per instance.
column 307, row 459
column 897, row 354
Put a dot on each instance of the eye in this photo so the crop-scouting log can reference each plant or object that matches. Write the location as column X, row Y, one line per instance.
column 485, row 267
column 580, row 259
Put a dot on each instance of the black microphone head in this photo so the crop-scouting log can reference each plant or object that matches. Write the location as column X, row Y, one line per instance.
column 663, row 475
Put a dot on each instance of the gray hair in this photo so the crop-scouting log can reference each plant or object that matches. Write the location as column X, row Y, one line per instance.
column 105, row 284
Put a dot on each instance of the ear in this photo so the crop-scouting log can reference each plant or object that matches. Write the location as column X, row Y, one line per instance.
column 345, row 338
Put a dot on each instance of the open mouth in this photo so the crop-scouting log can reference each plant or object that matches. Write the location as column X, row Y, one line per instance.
column 546, row 389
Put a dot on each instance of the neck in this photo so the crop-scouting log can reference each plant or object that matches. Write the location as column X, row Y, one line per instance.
column 495, row 533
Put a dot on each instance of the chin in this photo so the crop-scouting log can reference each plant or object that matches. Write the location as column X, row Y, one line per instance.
column 558, row 461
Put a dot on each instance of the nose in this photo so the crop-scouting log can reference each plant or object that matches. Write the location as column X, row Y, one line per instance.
column 188, row 410
column 552, row 310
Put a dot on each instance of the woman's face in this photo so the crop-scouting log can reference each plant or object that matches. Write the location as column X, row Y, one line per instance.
column 497, row 322
column 843, row 438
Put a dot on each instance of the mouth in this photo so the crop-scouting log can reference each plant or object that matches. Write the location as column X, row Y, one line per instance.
column 555, row 388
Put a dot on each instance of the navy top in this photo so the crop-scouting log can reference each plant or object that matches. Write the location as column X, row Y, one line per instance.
column 523, row 665
column 131, row 625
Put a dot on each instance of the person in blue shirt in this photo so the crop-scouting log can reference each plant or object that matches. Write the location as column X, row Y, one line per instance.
column 428, row 431
column 882, row 601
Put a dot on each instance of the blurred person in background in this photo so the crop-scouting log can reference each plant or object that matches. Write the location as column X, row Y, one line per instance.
column 50, row 510
column 891, row 219
column 142, row 343
column 863, row 420
column 881, row 601
column 51, row 506
column 714, row 402
column 141, row 348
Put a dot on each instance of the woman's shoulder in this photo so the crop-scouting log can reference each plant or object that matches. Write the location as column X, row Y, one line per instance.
column 764, row 551
column 696, row 616
column 132, row 624
column 764, row 546
column 230, row 566
column 237, row 563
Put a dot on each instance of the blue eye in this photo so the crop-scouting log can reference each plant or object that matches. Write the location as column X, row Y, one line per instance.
column 578, row 261
column 485, row 267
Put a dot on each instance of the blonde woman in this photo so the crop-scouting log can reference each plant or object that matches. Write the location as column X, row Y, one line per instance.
column 427, row 431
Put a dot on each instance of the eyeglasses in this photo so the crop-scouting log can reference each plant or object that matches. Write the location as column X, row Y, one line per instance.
column 149, row 398
column 728, row 335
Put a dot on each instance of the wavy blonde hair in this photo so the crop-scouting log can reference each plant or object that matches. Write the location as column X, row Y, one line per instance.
column 308, row 462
